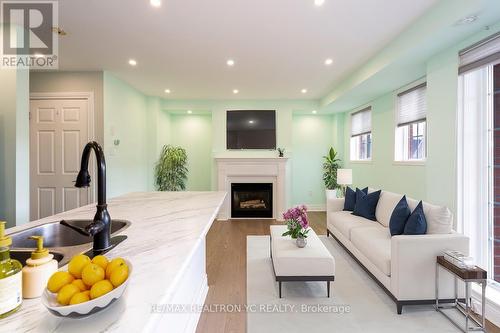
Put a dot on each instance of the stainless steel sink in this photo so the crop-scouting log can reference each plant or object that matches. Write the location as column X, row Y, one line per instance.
column 22, row 255
column 61, row 240
column 58, row 235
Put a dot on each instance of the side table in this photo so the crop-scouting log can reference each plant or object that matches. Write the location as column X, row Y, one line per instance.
column 468, row 276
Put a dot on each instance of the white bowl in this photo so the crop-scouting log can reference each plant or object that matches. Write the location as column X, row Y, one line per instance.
column 87, row 308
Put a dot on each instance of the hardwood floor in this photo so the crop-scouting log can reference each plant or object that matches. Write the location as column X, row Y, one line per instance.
column 226, row 269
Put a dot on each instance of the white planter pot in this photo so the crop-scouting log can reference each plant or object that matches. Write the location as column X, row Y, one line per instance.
column 331, row 194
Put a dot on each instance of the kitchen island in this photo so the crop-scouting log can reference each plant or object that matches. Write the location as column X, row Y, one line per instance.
column 166, row 246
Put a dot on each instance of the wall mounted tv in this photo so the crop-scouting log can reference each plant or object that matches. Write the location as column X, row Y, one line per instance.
column 248, row 129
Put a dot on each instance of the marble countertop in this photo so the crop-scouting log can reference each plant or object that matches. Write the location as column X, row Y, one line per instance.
column 165, row 229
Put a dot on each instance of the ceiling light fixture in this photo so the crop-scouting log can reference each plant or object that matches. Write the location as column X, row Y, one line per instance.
column 167, row 91
column 328, row 61
column 230, row 62
column 250, row 121
column 155, row 3
column 314, row 111
column 304, row 91
column 132, row 62
column 467, row 20
column 189, row 111
column 235, row 91
column 319, row 2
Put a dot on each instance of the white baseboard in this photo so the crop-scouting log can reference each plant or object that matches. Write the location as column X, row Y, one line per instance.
column 492, row 304
column 316, row 207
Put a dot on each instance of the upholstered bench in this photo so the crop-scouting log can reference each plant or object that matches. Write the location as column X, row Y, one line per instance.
column 291, row 263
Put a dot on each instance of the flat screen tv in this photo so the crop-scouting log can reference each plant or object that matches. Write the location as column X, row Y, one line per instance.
column 251, row 129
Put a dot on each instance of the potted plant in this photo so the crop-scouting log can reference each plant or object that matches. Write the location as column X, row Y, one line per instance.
column 281, row 152
column 171, row 170
column 297, row 224
column 330, row 166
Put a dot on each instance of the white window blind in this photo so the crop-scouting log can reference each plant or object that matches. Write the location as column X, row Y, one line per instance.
column 412, row 105
column 361, row 122
column 480, row 54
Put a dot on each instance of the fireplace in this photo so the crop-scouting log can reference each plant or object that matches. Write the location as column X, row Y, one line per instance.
column 252, row 200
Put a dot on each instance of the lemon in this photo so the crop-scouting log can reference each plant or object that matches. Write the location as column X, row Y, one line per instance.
column 92, row 273
column 79, row 283
column 76, row 264
column 100, row 288
column 113, row 264
column 64, row 295
column 101, row 261
column 86, row 292
column 80, row 297
column 59, row 280
column 119, row 275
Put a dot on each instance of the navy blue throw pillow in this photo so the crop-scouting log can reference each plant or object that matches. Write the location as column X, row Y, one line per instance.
column 350, row 198
column 416, row 224
column 399, row 217
column 366, row 204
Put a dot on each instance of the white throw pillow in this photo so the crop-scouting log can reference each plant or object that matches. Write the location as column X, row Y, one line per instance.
column 386, row 204
column 439, row 218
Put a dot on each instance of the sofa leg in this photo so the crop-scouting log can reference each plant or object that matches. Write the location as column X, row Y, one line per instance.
column 400, row 307
column 327, row 233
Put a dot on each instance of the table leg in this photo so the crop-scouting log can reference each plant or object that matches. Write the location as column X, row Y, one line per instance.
column 456, row 289
column 328, row 289
column 280, row 287
column 483, row 302
column 467, row 309
column 437, row 287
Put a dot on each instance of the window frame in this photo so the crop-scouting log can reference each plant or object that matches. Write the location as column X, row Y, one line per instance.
column 407, row 160
column 367, row 134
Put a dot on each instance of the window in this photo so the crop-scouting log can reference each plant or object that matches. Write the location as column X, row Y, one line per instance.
column 361, row 135
column 478, row 168
column 411, row 127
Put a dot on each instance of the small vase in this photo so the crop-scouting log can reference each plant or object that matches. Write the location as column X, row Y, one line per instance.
column 301, row 242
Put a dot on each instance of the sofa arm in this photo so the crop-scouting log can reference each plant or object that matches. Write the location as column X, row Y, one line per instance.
column 334, row 204
column 413, row 265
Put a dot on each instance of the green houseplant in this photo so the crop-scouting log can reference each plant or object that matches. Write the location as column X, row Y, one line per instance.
column 330, row 166
column 171, row 170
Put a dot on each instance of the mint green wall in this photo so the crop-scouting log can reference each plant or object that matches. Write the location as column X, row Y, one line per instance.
column 312, row 136
column 435, row 180
column 14, row 146
column 193, row 132
column 125, row 119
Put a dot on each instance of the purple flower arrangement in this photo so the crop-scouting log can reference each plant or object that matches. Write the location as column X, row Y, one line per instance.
column 297, row 222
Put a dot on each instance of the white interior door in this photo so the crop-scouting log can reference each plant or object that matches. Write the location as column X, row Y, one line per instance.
column 59, row 129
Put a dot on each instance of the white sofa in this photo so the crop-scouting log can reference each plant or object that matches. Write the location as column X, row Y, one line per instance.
column 403, row 265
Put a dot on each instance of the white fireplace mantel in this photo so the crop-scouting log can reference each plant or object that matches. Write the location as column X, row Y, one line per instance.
column 253, row 170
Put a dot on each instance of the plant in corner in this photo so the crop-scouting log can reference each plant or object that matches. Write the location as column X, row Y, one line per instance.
column 330, row 166
column 297, row 224
column 171, row 170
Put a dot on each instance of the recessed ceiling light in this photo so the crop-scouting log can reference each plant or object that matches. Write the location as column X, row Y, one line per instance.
column 230, row 62
column 319, row 2
column 314, row 111
column 189, row 111
column 155, row 3
column 303, row 91
column 250, row 121
column 167, row 91
column 467, row 20
column 132, row 62
column 235, row 91
column 328, row 61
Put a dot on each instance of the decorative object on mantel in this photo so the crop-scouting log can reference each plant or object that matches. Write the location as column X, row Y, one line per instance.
column 281, row 152
column 344, row 178
column 330, row 167
column 297, row 224
column 171, row 170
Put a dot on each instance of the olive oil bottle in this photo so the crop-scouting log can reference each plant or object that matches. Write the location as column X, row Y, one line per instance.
column 10, row 277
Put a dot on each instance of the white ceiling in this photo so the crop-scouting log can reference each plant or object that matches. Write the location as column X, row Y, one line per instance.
column 279, row 46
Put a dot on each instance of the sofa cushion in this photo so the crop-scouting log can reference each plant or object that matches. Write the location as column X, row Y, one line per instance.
column 439, row 218
column 416, row 224
column 375, row 243
column 399, row 217
column 386, row 205
column 350, row 198
column 345, row 222
column 366, row 204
